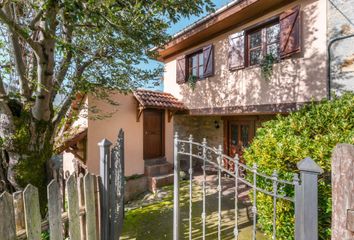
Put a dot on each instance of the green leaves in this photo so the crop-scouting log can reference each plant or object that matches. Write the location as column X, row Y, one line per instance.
column 280, row 144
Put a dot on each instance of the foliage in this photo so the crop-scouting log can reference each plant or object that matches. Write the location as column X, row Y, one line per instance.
column 266, row 65
column 192, row 82
column 45, row 235
column 280, row 144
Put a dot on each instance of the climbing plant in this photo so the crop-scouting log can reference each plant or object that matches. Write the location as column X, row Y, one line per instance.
column 266, row 65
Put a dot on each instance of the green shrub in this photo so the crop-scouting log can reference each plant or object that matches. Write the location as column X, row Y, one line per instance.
column 313, row 131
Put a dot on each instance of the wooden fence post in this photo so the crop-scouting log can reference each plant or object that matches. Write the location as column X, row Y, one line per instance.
column 19, row 211
column 90, row 207
column 82, row 205
column 32, row 212
column 104, row 146
column 73, row 208
column 7, row 217
column 54, row 211
column 343, row 192
column 306, row 201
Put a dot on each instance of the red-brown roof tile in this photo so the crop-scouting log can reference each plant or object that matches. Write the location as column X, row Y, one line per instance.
column 154, row 99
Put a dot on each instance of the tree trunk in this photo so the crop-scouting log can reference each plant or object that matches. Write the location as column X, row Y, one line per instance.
column 31, row 149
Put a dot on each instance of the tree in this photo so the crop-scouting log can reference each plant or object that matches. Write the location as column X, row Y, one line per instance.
column 55, row 48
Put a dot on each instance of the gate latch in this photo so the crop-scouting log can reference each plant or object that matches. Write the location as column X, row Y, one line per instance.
column 350, row 220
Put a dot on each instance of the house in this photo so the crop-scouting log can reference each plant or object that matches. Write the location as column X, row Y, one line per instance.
column 215, row 68
column 224, row 75
column 146, row 117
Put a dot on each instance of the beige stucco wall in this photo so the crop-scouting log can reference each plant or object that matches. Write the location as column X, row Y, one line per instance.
column 300, row 78
column 124, row 116
column 116, row 117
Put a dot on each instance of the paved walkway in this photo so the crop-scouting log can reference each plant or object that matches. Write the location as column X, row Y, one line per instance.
column 155, row 220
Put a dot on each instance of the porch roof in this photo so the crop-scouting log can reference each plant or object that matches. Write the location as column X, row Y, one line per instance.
column 70, row 138
column 161, row 100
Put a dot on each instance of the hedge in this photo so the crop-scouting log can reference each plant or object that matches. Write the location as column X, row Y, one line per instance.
column 281, row 143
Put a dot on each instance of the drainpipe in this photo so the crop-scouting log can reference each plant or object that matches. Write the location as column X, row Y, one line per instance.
column 331, row 42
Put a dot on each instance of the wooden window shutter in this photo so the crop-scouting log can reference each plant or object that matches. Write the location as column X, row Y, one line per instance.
column 236, row 58
column 208, row 60
column 181, row 70
column 290, row 37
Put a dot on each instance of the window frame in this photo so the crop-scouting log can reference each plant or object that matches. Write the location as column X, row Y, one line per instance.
column 262, row 27
column 189, row 72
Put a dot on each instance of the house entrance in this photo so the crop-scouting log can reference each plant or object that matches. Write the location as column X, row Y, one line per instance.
column 238, row 135
column 153, row 133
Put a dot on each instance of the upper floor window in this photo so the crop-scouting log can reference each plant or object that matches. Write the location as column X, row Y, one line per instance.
column 261, row 42
column 199, row 64
column 279, row 37
column 196, row 65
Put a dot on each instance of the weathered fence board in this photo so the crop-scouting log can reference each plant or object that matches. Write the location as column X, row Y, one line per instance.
column 7, row 217
column 82, row 205
column 342, row 192
column 96, row 181
column 90, row 207
column 54, row 211
column 19, row 211
column 73, row 208
column 32, row 212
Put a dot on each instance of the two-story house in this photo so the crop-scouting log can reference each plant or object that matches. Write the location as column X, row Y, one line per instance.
column 218, row 68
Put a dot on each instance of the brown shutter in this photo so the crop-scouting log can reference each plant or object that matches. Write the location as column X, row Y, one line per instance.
column 181, row 70
column 236, row 58
column 208, row 60
column 290, row 41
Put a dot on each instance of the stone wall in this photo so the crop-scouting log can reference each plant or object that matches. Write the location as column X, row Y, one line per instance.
column 200, row 127
column 135, row 187
column 340, row 22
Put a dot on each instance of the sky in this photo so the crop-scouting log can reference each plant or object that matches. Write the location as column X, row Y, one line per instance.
column 184, row 22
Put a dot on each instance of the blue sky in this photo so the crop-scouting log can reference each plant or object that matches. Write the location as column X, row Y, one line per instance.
column 182, row 24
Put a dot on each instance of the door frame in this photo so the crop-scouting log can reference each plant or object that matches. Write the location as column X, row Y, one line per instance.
column 162, row 112
column 238, row 120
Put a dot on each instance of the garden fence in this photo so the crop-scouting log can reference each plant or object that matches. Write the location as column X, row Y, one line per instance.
column 20, row 216
column 85, row 207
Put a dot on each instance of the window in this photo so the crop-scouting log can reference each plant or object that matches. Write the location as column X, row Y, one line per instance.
column 196, row 65
column 199, row 64
column 261, row 42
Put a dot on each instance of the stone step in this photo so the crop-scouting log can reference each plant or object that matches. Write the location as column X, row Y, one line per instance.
column 154, row 161
column 159, row 181
column 158, row 169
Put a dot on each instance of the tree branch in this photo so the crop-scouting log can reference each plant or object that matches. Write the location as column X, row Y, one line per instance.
column 18, row 55
column 19, row 30
column 65, row 64
column 35, row 20
column 63, row 110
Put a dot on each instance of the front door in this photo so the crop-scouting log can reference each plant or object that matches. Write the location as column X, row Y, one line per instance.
column 153, row 133
column 239, row 136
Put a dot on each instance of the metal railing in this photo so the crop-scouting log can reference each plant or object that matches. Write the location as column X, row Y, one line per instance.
column 305, row 197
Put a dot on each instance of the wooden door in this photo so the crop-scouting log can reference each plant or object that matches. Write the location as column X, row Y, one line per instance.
column 153, row 133
column 239, row 136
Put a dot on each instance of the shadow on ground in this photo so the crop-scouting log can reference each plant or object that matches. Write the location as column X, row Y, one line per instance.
column 155, row 221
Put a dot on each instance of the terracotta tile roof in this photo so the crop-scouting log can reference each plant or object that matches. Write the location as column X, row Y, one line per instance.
column 154, row 99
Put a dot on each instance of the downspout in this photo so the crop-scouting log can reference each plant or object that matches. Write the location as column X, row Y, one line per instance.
column 331, row 42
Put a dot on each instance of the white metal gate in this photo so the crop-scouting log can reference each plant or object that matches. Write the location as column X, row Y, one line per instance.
column 305, row 188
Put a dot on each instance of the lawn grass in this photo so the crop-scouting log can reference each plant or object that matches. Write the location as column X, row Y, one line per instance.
column 155, row 221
